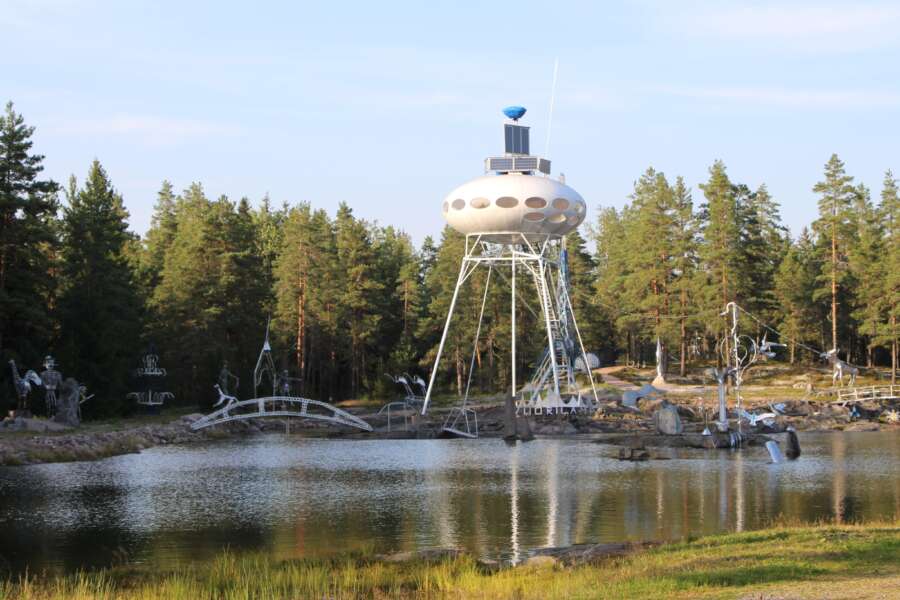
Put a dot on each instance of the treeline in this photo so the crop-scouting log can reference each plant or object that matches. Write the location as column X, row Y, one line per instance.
column 666, row 268
column 351, row 300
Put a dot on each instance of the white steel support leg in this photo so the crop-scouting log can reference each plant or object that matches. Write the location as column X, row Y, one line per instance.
column 437, row 359
column 514, row 323
column 487, row 286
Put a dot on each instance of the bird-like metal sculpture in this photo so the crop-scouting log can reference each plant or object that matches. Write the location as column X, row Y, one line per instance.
column 23, row 384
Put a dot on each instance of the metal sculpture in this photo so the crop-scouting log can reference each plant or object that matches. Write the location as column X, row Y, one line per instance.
column 225, row 379
column 739, row 353
column 68, row 407
column 660, row 363
column 150, row 374
column 265, row 366
column 514, row 218
column 766, row 349
column 275, row 405
column 224, row 398
column 279, row 406
column 408, row 382
column 839, row 367
column 51, row 379
column 23, row 384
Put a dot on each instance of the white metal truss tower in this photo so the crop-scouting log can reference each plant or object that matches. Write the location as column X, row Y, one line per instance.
column 553, row 388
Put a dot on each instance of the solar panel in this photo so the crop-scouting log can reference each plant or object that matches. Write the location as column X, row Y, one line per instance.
column 516, row 139
column 500, row 164
column 544, row 166
column 526, row 163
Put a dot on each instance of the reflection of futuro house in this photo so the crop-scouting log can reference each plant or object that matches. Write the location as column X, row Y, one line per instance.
column 514, row 219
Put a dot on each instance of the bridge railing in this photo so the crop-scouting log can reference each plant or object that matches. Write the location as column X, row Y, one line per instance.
column 871, row 392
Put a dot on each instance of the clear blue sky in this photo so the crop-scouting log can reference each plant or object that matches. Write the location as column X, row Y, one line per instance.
column 390, row 105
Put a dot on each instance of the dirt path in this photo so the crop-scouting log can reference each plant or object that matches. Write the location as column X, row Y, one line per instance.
column 608, row 377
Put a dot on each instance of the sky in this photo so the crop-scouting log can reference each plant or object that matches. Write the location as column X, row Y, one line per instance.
column 388, row 106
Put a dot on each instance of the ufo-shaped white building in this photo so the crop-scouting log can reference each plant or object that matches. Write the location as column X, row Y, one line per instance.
column 515, row 217
column 501, row 207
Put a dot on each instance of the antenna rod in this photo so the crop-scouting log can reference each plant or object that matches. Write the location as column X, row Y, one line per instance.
column 552, row 98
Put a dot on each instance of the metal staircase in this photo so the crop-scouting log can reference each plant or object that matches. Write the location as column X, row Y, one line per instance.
column 554, row 381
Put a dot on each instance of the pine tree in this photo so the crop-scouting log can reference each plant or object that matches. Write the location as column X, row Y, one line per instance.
column 762, row 246
column 684, row 249
column 720, row 249
column 650, row 237
column 890, row 210
column 27, row 245
column 833, row 228
column 867, row 270
column 209, row 304
column 794, row 282
column 582, row 272
column 99, row 305
column 612, row 272
column 356, row 305
column 163, row 226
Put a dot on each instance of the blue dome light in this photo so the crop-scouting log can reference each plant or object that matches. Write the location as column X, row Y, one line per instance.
column 514, row 112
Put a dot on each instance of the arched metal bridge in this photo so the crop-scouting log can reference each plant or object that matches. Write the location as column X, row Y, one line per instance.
column 280, row 406
column 872, row 392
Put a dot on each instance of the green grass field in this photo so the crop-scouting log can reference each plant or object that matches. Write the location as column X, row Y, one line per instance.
column 781, row 562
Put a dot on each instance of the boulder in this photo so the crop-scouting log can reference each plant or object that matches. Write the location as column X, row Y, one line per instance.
column 630, row 397
column 667, row 421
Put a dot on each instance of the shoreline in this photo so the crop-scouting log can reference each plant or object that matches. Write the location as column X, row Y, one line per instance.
column 781, row 561
column 612, row 425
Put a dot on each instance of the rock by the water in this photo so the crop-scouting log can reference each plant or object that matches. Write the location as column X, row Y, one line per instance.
column 667, row 420
column 793, row 445
column 630, row 397
column 33, row 425
column 634, row 454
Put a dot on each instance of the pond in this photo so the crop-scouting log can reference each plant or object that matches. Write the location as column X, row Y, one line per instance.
column 294, row 497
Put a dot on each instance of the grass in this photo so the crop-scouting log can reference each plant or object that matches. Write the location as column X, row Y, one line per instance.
column 782, row 562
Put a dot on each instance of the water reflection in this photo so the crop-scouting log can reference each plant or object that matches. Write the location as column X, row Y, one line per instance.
column 295, row 497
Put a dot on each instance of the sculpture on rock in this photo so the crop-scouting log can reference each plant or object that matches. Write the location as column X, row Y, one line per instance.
column 23, row 385
column 51, row 378
column 68, row 403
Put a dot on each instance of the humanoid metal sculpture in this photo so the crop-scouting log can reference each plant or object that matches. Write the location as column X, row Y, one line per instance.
column 51, row 378
column 839, row 367
column 225, row 379
column 23, row 385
